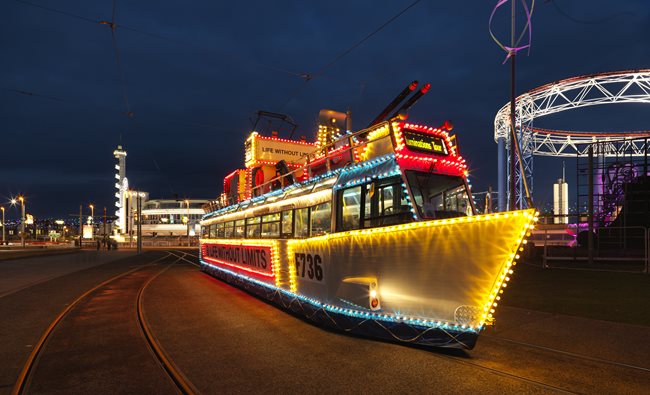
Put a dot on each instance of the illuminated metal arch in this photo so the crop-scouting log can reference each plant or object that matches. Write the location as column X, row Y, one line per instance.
column 631, row 86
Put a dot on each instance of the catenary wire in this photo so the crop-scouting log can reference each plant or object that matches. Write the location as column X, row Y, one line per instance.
column 165, row 38
column 584, row 21
column 307, row 77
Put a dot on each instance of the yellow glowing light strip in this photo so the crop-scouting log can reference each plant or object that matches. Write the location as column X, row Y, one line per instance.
column 504, row 276
column 373, row 136
column 412, row 225
column 293, row 286
column 253, row 149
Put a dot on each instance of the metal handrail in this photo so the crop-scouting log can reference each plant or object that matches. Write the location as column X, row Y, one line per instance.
column 327, row 153
column 645, row 236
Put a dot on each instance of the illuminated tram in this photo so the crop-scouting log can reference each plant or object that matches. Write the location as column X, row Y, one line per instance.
column 371, row 232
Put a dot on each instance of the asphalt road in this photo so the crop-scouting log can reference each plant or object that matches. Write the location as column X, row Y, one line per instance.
column 224, row 340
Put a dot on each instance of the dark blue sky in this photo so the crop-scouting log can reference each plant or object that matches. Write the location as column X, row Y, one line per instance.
column 197, row 70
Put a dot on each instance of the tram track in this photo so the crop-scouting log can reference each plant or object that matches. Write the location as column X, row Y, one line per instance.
column 501, row 373
column 506, row 374
column 39, row 351
column 185, row 259
column 558, row 355
column 167, row 364
column 568, row 353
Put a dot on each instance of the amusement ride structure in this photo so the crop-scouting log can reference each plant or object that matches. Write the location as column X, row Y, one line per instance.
column 617, row 87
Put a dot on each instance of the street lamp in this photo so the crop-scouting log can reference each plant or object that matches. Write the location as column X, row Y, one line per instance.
column 22, row 218
column 187, row 202
column 61, row 223
column 92, row 220
column 3, row 224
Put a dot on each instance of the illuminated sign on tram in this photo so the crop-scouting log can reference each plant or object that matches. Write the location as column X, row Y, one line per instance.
column 246, row 257
column 424, row 142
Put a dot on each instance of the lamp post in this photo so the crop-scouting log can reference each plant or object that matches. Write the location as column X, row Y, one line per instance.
column 22, row 219
column 92, row 219
column 187, row 202
column 3, row 224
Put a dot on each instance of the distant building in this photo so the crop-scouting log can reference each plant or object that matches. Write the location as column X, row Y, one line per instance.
column 160, row 217
column 169, row 217
column 122, row 186
column 561, row 201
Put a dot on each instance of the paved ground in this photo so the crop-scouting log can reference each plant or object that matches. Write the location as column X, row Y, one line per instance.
column 226, row 341
column 14, row 252
column 21, row 273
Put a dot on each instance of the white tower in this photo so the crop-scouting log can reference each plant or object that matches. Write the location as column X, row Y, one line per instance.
column 122, row 186
column 561, row 199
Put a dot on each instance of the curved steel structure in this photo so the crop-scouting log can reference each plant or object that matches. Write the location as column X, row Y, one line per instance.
column 632, row 86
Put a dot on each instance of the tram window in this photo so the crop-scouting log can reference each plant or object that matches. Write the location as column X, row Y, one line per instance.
column 370, row 206
column 456, row 200
column 302, row 222
column 287, row 224
column 393, row 206
column 205, row 231
column 253, row 227
column 271, row 225
column 229, row 229
column 350, row 209
column 219, row 230
column 439, row 196
column 271, row 217
column 321, row 219
column 213, row 231
column 239, row 229
column 271, row 229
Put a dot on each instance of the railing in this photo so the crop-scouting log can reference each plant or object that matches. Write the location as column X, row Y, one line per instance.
column 328, row 152
column 614, row 248
column 325, row 153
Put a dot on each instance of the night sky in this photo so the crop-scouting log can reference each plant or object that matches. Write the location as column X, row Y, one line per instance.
column 196, row 71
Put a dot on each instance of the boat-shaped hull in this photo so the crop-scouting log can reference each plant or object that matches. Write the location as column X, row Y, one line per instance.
column 357, row 324
column 434, row 283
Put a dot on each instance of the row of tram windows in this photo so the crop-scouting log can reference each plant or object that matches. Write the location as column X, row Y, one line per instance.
column 370, row 205
column 379, row 203
column 384, row 202
column 298, row 223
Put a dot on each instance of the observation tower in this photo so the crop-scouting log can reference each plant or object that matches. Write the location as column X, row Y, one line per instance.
column 122, row 187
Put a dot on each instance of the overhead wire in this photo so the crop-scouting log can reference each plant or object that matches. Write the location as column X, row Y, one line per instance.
column 363, row 40
column 83, row 18
column 33, row 94
column 121, row 75
column 223, row 54
column 584, row 21
column 120, row 70
column 307, row 77
column 203, row 125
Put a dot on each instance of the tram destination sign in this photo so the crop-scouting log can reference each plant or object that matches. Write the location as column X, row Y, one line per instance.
column 424, row 143
column 250, row 258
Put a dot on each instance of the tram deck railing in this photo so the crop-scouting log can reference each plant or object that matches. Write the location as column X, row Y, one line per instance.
column 325, row 153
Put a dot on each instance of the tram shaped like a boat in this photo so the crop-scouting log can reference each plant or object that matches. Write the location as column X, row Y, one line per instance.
column 372, row 233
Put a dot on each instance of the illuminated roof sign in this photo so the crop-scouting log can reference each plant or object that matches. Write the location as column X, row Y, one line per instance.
column 421, row 142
